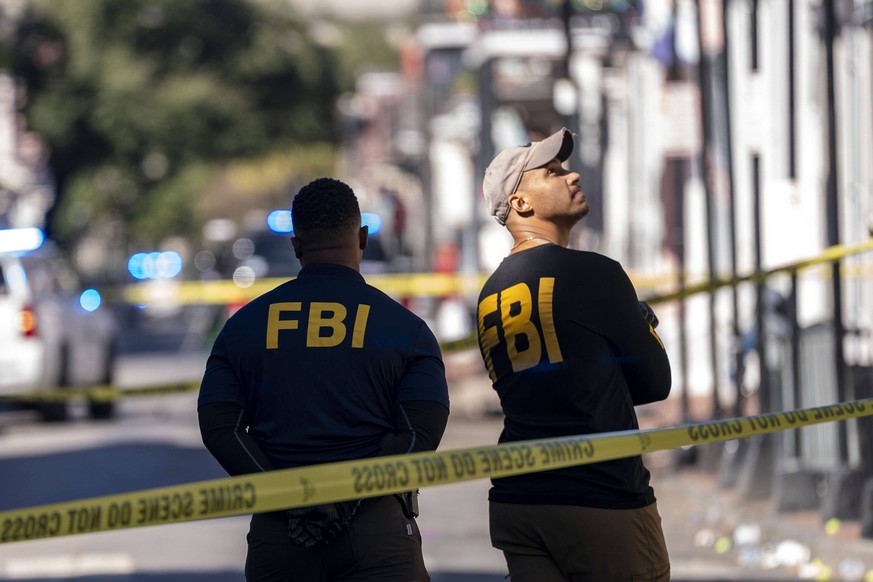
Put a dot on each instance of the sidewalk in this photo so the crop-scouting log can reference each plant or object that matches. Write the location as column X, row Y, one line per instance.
column 713, row 532
column 711, row 523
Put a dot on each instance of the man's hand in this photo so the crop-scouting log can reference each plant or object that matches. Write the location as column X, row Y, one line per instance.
column 308, row 526
column 648, row 314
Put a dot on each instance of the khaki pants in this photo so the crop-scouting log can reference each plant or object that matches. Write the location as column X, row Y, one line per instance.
column 561, row 543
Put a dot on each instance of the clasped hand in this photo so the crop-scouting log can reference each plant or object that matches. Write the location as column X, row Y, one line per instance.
column 308, row 526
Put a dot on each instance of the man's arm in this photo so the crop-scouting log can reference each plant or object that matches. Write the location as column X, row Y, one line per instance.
column 419, row 426
column 223, row 419
column 640, row 351
column 422, row 411
column 223, row 429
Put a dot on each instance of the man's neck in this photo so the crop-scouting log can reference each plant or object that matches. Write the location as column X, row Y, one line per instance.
column 548, row 233
column 343, row 257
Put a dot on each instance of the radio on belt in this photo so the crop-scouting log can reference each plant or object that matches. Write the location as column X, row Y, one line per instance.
column 409, row 499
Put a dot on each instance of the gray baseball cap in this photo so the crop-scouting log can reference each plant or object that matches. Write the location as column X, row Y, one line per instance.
column 503, row 174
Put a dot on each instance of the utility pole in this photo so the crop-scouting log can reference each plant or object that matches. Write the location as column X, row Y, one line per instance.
column 678, row 169
column 792, row 98
column 833, row 220
column 708, row 167
column 843, row 497
column 732, row 210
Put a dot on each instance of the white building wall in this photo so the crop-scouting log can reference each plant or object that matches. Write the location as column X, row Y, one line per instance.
column 617, row 198
column 854, row 84
column 793, row 211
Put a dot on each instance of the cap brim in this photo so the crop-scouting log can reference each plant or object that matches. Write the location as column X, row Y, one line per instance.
column 558, row 145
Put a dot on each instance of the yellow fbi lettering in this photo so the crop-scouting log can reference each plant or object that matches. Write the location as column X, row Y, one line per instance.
column 516, row 307
column 325, row 323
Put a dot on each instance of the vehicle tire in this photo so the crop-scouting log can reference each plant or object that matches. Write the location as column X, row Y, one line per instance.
column 57, row 410
column 104, row 409
column 101, row 409
column 53, row 411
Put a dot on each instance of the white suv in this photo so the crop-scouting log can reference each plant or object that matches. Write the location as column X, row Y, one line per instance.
column 52, row 334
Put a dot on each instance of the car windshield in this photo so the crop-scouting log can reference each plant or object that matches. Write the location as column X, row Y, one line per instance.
column 278, row 253
column 275, row 255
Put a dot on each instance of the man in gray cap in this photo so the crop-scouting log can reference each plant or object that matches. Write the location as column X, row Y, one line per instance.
column 569, row 352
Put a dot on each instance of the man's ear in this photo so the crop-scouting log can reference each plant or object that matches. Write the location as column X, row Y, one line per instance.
column 363, row 237
column 518, row 203
column 298, row 251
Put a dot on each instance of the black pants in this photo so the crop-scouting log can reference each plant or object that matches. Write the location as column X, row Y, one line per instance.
column 380, row 545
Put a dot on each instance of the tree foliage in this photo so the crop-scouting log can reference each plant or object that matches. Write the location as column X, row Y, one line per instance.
column 141, row 99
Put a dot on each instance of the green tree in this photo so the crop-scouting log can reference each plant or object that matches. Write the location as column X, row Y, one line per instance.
column 141, row 102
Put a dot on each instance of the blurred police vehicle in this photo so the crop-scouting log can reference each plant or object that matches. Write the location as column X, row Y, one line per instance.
column 264, row 254
column 268, row 253
column 53, row 334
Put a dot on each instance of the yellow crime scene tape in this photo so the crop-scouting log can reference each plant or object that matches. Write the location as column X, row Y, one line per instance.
column 225, row 292
column 830, row 254
column 399, row 285
column 100, row 393
column 289, row 488
column 404, row 285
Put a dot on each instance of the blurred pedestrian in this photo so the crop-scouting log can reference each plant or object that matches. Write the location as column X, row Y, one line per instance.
column 570, row 350
column 750, row 365
column 326, row 368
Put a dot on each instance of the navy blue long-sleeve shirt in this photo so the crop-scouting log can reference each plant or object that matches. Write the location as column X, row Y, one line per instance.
column 569, row 353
